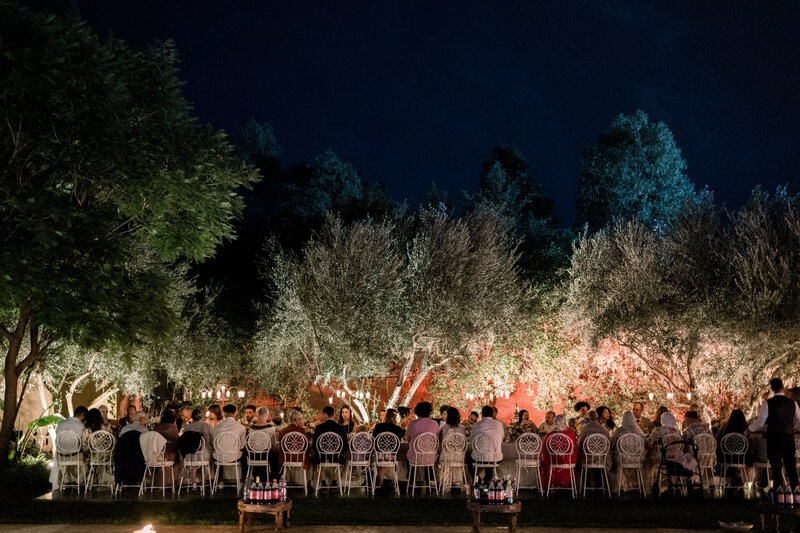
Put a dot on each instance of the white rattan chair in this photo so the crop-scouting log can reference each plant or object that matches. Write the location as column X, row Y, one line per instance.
column 706, row 447
column 68, row 455
column 451, row 461
column 734, row 448
column 529, row 450
column 294, row 446
column 329, row 448
column 630, row 456
column 387, row 445
column 257, row 445
column 425, row 448
column 154, row 446
column 101, row 458
column 198, row 459
column 560, row 448
column 595, row 457
column 360, row 452
column 227, row 452
column 485, row 454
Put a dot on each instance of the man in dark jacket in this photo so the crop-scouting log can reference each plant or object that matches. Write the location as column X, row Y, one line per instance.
column 328, row 424
column 779, row 414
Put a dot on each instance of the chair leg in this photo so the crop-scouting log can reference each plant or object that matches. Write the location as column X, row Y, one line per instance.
column 305, row 481
column 339, row 477
column 396, row 481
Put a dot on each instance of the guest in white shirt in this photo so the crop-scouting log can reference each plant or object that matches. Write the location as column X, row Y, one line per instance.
column 139, row 423
column 262, row 421
column 487, row 425
column 204, row 428
column 73, row 423
column 230, row 424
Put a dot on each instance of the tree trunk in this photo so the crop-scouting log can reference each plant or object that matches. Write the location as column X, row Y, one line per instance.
column 13, row 370
column 423, row 373
column 401, row 380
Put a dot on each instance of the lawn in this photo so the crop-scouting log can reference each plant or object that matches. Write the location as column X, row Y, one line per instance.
column 595, row 512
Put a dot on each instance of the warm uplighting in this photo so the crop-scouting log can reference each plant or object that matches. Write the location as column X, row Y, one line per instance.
column 146, row 529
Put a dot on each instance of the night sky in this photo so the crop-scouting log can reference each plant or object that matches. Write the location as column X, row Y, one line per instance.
column 415, row 92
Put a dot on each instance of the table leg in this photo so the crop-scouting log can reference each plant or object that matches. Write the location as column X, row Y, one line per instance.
column 241, row 520
column 286, row 518
column 476, row 521
column 512, row 523
column 278, row 521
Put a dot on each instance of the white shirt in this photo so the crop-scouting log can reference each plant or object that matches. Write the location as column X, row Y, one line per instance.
column 493, row 428
column 230, row 424
column 72, row 424
column 763, row 412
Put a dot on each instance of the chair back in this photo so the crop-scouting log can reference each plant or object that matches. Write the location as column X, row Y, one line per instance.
column 294, row 445
column 454, row 448
column 734, row 449
column 386, row 446
column 560, row 448
column 226, row 448
column 360, row 447
column 425, row 448
column 154, row 446
column 630, row 449
column 484, row 449
column 529, row 446
column 595, row 450
column 706, row 450
column 198, row 456
column 68, row 447
column 257, row 444
column 669, row 446
column 329, row 447
column 101, row 448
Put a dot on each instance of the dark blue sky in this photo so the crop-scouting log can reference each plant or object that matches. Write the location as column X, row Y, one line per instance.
column 415, row 92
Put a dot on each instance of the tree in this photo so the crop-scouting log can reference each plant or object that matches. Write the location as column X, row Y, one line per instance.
column 507, row 183
column 634, row 171
column 373, row 301
column 105, row 176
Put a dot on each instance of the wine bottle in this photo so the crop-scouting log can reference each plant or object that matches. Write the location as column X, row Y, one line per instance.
column 781, row 496
column 476, row 490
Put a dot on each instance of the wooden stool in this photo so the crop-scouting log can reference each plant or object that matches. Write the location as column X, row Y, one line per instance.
column 510, row 509
column 279, row 509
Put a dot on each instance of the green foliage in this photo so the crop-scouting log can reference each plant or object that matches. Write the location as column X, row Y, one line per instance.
column 634, row 171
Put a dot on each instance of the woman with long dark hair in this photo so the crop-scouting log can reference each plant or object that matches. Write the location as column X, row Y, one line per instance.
column 346, row 419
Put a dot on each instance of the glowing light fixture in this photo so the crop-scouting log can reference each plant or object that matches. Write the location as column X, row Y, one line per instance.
column 651, row 396
column 689, row 396
column 330, row 399
column 240, row 394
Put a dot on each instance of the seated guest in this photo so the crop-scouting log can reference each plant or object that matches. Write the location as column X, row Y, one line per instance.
column 405, row 418
column 592, row 427
column 229, row 424
column 577, row 422
column 657, row 418
column 605, row 418
column 487, row 425
column 653, row 444
column 277, row 417
column 644, row 423
column 128, row 418
column 423, row 424
column 526, row 424
column 561, row 476
column 452, row 424
column 249, row 414
column 93, row 422
column 388, row 425
column 184, row 418
column 198, row 425
column 138, row 425
column 494, row 415
column 442, row 420
column 693, row 426
column 346, row 418
column 381, row 416
column 168, row 429
column 74, row 423
column 629, row 425
column 549, row 423
column 296, row 425
column 736, row 423
column 328, row 425
column 106, row 426
column 724, row 413
column 262, row 421
column 214, row 415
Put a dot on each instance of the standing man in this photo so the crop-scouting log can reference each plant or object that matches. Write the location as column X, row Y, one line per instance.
column 644, row 423
column 779, row 414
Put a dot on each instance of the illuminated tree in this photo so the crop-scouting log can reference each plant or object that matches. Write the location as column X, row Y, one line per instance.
column 105, row 176
column 634, row 171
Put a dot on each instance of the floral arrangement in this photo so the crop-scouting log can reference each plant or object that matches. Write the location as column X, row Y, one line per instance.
column 515, row 429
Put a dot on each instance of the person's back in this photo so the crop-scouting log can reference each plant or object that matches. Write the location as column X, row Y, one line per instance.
column 423, row 424
column 487, row 425
column 780, row 418
column 694, row 426
column 199, row 426
column 229, row 424
column 329, row 425
column 73, row 423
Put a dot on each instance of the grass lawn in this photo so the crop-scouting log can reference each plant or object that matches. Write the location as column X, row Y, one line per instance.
column 595, row 512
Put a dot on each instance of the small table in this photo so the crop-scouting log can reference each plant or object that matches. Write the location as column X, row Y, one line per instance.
column 776, row 513
column 478, row 507
column 279, row 509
